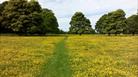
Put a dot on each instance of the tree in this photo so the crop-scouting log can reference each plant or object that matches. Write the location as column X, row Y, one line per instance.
column 101, row 24
column 14, row 10
column 34, row 6
column 3, row 20
column 35, row 20
column 2, row 5
column 27, row 17
column 23, row 16
column 132, row 22
column 112, row 23
column 80, row 24
column 50, row 24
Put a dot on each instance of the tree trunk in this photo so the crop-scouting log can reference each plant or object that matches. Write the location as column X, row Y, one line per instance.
column 115, row 34
column 80, row 34
column 133, row 33
column 109, row 34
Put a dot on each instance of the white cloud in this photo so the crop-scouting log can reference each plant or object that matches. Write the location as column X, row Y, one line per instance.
column 2, row 1
column 93, row 9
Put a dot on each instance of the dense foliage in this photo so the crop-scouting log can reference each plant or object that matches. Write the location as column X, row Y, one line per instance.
column 80, row 24
column 50, row 22
column 132, row 22
column 23, row 17
column 115, row 23
column 112, row 23
column 28, row 17
column 3, row 20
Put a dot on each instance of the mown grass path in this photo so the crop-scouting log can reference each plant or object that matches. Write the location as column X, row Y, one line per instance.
column 58, row 65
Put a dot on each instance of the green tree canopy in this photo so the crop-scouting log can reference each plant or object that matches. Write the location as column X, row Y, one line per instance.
column 27, row 17
column 22, row 16
column 3, row 20
column 132, row 22
column 80, row 24
column 113, row 22
column 50, row 24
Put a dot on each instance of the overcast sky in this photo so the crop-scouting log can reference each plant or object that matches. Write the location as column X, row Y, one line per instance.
column 93, row 9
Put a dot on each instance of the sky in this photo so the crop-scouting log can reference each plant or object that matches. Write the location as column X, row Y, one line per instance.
column 92, row 9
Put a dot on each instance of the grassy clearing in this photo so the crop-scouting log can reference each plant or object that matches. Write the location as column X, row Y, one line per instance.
column 77, row 56
column 103, row 56
column 58, row 65
column 23, row 56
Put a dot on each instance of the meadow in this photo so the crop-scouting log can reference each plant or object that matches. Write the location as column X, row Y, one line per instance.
column 69, row 56
column 24, row 56
column 103, row 56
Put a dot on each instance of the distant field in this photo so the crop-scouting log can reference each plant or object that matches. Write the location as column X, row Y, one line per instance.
column 72, row 56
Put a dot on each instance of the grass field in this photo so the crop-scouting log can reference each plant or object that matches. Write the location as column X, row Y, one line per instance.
column 25, row 56
column 72, row 56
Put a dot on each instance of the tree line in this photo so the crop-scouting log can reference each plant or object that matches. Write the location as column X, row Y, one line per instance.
column 28, row 17
column 115, row 22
